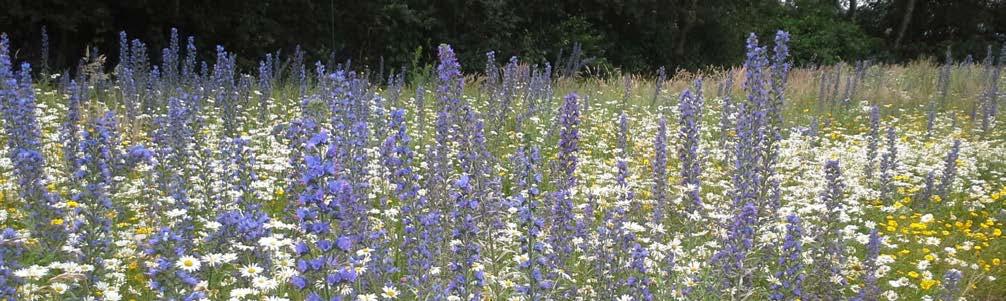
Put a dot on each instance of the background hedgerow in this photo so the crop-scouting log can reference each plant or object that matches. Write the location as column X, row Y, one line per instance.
column 631, row 36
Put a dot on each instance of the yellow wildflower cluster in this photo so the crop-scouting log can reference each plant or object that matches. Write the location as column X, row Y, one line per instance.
column 935, row 237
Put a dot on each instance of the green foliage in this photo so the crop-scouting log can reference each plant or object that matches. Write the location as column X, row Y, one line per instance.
column 419, row 70
column 826, row 38
column 635, row 36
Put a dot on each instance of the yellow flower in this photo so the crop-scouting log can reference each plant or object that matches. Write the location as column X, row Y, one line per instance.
column 56, row 221
column 928, row 283
column 913, row 274
column 72, row 204
column 898, row 205
column 892, row 225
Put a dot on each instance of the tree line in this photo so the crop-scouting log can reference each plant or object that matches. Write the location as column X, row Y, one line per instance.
column 627, row 35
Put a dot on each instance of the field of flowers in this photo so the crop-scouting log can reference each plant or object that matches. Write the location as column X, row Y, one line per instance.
column 191, row 180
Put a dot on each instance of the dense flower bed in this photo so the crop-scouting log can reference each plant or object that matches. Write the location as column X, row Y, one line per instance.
column 190, row 180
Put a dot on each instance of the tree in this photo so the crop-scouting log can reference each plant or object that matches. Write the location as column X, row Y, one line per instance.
column 909, row 9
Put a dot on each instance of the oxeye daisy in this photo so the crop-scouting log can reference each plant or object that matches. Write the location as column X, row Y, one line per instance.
column 229, row 257
column 213, row 259
column 264, row 283
column 250, row 270
column 188, row 263
column 59, row 288
column 271, row 243
column 242, row 292
column 389, row 292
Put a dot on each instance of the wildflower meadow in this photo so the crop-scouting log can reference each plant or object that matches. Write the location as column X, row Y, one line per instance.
column 170, row 176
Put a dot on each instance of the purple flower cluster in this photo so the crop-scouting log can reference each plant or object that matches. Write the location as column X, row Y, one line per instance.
column 870, row 290
column 889, row 162
column 563, row 224
column 832, row 254
column 240, row 168
column 326, row 200
column 419, row 220
column 989, row 102
column 17, row 103
column 690, row 108
column 872, row 142
column 791, row 274
column 101, row 161
column 70, row 130
column 265, row 82
column 746, row 174
column 949, row 170
column 527, row 199
column 727, row 110
column 951, row 285
column 660, row 171
column 11, row 251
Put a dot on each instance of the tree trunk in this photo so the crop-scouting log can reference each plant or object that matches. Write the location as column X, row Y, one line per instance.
column 909, row 9
column 689, row 22
column 851, row 12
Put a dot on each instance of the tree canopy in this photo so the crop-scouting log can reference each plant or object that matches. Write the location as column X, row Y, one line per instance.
column 629, row 35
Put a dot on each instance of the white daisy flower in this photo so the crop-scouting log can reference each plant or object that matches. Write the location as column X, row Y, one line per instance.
column 188, row 263
column 250, row 270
